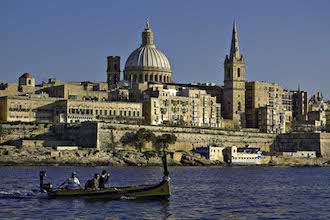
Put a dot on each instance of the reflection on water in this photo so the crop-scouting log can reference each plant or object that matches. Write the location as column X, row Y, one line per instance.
column 197, row 192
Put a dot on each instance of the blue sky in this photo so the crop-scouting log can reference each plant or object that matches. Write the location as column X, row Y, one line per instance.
column 283, row 41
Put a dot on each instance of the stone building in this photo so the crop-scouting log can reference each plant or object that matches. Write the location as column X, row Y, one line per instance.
column 271, row 120
column 147, row 64
column 266, row 95
column 70, row 111
column 299, row 105
column 234, row 83
column 317, row 103
column 26, row 80
column 31, row 108
column 188, row 107
column 113, row 71
column 76, row 90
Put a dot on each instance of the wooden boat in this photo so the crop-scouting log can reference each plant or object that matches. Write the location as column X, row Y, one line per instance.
column 159, row 190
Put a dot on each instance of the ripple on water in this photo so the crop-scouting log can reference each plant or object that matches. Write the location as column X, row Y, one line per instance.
column 197, row 192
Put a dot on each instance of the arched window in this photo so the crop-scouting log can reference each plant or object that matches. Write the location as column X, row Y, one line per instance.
column 146, row 78
column 151, row 78
column 164, row 78
column 140, row 77
column 239, row 107
column 238, row 72
column 156, row 78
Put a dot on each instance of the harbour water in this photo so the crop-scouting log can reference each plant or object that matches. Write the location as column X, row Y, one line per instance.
column 197, row 193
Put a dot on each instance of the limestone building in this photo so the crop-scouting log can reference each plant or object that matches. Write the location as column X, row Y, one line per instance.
column 299, row 105
column 234, row 83
column 70, row 111
column 264, row 107
column 75, row 90
column 166, row 104
column 113, row 71
column 147, row 63
column 31, row 108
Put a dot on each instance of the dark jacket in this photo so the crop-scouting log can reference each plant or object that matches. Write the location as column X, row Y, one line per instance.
column 92, row 184
column 103, row 180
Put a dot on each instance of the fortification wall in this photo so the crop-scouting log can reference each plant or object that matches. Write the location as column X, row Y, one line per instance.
column 187, row 138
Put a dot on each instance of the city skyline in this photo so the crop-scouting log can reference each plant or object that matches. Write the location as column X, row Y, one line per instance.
column 71, row 42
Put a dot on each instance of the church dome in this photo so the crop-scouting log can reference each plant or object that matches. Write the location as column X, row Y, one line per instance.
column 147, row 63
column 148, row 57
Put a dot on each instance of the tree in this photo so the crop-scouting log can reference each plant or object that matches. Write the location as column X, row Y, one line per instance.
column 139, row 138
column 3, row 132
column 162, row 142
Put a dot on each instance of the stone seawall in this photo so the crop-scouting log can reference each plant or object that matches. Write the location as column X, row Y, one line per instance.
column 187, row 138
column 319, row 142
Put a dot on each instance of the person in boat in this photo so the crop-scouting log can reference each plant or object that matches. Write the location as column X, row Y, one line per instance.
column 72, row 183
column 104, row 178
column 93, row 184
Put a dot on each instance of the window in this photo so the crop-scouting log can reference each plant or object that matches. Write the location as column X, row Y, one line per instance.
column 121, row 113
column 238, row 72
column 133, row 113
column 114, row 112
column 239, row 106
column 100, row 112
column 105, row 112
column 96, row 111
column 228, row 73
column 138, row 114
column 129, row 113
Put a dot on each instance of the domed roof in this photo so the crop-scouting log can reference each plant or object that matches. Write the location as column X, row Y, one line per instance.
column 26, row 75
column 147, row 56
column 123, row 83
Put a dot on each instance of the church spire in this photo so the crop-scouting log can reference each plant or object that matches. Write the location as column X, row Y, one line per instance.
column 234, row 49
column 147, row 36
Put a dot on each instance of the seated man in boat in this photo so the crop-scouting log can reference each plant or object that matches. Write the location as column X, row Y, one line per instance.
column 93, row 184
column 104, row 178
column 72, row 183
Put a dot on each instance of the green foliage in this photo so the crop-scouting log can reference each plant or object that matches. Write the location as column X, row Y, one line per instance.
column 162, row 142
column 138, row 139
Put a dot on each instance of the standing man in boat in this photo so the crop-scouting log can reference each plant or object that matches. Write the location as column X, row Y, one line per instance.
column 72, row 183
column 103, row 179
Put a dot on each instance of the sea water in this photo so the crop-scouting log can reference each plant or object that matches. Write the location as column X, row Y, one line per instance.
column 197, row 193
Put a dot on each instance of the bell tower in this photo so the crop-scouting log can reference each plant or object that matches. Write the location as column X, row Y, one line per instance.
column 113, row 71
column 234, row 83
